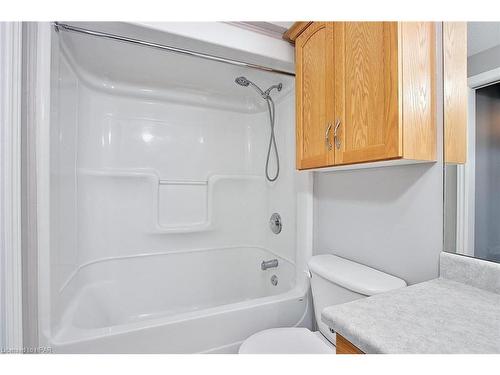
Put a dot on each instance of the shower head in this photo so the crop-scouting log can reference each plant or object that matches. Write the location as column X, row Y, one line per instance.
column 266, row 95
column 242, row 81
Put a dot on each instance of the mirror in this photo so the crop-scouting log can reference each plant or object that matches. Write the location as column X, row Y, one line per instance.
column 471, row 90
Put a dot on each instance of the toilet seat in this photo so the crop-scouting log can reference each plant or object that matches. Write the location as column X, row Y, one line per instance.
column 286, row 341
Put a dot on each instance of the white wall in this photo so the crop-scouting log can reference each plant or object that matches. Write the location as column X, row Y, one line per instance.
column 482, row 36
column 483, row 47
column 389, row 218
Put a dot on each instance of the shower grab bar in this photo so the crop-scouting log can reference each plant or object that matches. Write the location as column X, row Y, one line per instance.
column 63, row 26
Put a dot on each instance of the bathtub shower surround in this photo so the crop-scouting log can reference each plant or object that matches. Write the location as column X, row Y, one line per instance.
column 159, row 205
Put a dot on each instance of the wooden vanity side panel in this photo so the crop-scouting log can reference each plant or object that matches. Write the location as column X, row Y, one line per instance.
column 418, row 50
column 344, row 346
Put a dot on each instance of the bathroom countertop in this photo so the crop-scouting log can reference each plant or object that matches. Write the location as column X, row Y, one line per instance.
column 437, row 316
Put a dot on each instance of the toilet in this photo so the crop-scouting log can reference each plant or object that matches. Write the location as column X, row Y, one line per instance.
column 334, row 280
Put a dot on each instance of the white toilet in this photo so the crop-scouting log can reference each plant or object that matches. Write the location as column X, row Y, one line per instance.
column 334, row 281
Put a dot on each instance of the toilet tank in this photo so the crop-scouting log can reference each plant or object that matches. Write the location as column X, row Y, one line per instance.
column 336, row 280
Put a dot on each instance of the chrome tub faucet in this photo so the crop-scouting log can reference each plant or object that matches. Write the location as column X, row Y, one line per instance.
column 273, row 263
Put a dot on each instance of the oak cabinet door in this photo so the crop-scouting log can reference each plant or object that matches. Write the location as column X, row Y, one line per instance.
column 314, row 95
column 368, row 88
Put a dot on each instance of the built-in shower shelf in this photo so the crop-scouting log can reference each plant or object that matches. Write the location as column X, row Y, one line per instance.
column 183, row 206
column 178, row 205
column 182, row 182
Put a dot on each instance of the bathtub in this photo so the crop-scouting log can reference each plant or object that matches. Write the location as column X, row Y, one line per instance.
column 158, row 303
column 152, row 204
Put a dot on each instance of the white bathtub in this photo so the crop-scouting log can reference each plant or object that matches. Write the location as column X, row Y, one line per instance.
column 153, row 206
column 158, row 303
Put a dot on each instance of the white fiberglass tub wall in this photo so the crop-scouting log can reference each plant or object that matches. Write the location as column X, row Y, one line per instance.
column 159, row 207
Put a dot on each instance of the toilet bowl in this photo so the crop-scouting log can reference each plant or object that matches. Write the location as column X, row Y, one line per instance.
column 285, row 341
column 334, row 280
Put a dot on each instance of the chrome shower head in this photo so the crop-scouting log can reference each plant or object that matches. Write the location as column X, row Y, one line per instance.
column 266, row 95
column 242, row 81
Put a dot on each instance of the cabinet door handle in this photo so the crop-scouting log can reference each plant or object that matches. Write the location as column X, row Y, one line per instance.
column 335, row 136
column 327, row 139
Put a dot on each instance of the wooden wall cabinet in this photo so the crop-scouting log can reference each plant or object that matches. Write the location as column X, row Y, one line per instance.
column 455, row 91
column 364, row 92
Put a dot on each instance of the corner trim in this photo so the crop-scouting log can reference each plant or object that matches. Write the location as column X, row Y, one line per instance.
column 10, row 185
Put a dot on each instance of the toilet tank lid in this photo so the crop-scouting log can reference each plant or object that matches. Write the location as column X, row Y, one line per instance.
column 353, row 276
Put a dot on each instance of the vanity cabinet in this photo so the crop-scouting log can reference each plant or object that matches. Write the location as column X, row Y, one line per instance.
column 344, row 346
column 364, row 92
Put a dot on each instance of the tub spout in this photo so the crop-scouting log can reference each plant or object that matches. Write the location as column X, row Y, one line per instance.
column 273, row 263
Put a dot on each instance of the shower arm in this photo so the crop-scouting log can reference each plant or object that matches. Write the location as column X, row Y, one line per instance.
column 278, row 87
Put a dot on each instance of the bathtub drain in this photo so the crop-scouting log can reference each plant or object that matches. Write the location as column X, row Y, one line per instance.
column 274, row 280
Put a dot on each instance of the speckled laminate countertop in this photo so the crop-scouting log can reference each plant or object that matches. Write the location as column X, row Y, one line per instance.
column 437, row 316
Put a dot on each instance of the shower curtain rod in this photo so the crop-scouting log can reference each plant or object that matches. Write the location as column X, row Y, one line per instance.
column 63, row 26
